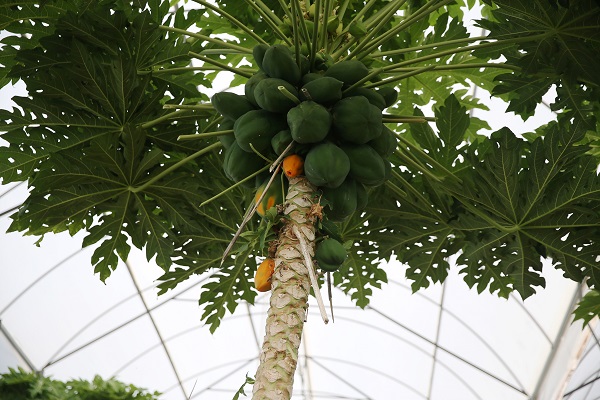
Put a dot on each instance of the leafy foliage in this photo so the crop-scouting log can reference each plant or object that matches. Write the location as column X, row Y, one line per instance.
column 18, row 384
column 97, row 140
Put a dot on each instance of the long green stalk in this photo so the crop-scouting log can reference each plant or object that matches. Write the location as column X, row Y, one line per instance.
column 206, row 38
column 163, row 118
column 175, row 166
column 220, row 65
column 426, row 46
column 401, row 76
column 420, row 13
column 233, row 20
column 246, row 179
column 204, row 135
column 202, row 107
column 273, row 23
column 315, row 36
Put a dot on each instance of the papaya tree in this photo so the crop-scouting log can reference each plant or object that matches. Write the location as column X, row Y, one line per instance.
column 324, row 158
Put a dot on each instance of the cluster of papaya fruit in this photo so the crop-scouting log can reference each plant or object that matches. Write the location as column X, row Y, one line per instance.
column 331, row 127
column 339, row 140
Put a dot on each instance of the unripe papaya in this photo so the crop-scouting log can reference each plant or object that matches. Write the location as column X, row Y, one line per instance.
column 231, row 105
column 366, row 166
column 356, row 120
column 389, row 94
column 374, row 98
column 258, row 52
column 362, row 196
column 275, row 195
column 281, row 141
column 330, row 251
column 342, row 200
column 311, row 76
column 264, row 272
column 226, row 140
column 279, row 62
column 238, row 164
column 309, row 122
column 326, row 90
column 326, row 165
column 384, row 144
column 250, row 86
column 257, row 127
column 348, row 71
column 268, row 96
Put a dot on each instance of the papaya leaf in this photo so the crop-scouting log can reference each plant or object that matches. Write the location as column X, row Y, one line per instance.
column 588, row 307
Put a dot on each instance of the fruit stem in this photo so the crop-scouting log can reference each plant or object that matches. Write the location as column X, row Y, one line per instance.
column 233, row 20
column 204, row 135
column 175, row 166
column 206, row 38
column 288, row 94
column 220, row 65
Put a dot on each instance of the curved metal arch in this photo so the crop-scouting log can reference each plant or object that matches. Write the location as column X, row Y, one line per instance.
column 474, row 333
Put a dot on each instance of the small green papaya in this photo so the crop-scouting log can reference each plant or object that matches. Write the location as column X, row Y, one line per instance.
column 374, row 98
column 326, row 165
column 326, row 90
column 257, row 127
column 384, row 144
column 258, row 52
column 348, row 71
column 250, row 86
column 231, row 105
column 356, row 120
column 270, row 98
column 341, row 201
column 226, row 140
column 311, row 76
column 238, row 164
column 389, row 94
column 362, row 196
column 330, row 251
column 279, row 62
column 309, row 122
column 281, row 141
column 366, row 166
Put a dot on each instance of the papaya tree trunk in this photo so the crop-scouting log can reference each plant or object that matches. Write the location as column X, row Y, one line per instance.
column 289, row 298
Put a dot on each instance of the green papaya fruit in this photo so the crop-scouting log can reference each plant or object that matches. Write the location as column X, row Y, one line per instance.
column 356, row 120
column 348, row 71
column 250, row 86
column 323, row 61
column 304, row 65
column 389, row 94
column 270, row 98
column 326, row 165
column 384, row 144
column 231, row 105
column 281, row 141
column 374, row 98
column 341, row 201
column 326, row 90
column 311, row 76
column 238, row 164
column 309, row 122
column 366, row 166
column 362, row 196
column 257, row 127
column 258, row 52
column 226, row 140
column 330, row 251
column 279, row 62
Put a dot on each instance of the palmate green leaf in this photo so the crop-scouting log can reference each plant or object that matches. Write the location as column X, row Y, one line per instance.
column 588, row 307
column 513, row 216
column 523, row 93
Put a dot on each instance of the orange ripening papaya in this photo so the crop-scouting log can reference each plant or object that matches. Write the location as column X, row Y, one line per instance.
column 293, row 166
column 262, row 278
